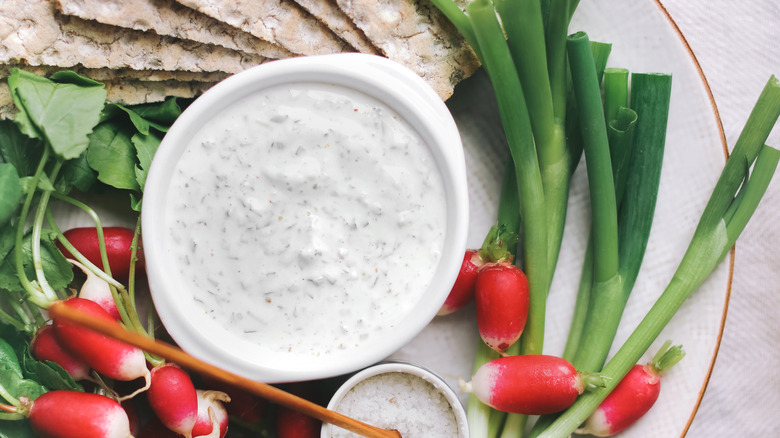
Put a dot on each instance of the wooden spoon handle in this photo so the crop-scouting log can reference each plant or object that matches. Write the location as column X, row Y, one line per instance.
column 174, row 354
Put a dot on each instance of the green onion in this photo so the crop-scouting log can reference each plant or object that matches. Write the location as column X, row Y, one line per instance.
column 724, row 217
column 517, row 127
column 615, row 92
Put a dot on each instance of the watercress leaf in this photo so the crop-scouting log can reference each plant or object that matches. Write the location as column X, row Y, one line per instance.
column 71, row 77
column 112, row 155
column 49, row 374
column 145, row 148
column 56, row 268
column 62, row 111
column 7, row 235
column 12, row 381
column 140, row 123
column 16, row 429
column 9, row 362
column 165, row 112
column 77, row 173
column 135, row 202
column 18, row 149
column 10, row 192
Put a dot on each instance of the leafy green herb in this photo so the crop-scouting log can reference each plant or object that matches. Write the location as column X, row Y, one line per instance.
column 145, row 146
column 112, row 155
column 58, row 270
column 62, row 110
column 16, row 429
column 18, row 149
column 12, row 382
column 10, row 192
column 77, row 173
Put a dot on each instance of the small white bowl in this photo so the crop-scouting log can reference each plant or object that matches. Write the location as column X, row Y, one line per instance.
column 395, row 86
column 461, row 422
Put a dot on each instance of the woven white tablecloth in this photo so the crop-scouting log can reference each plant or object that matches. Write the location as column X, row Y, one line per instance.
column 738, row 47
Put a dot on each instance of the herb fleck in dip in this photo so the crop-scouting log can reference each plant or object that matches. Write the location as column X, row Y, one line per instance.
column 307, row 219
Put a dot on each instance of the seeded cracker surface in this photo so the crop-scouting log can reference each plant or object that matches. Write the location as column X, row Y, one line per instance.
column 278, row 21
column 32, row 31
column 168, row 18
column 414, row 33
column 329, row 13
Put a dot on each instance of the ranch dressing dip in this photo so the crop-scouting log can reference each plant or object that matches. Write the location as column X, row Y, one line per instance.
column 306, row 218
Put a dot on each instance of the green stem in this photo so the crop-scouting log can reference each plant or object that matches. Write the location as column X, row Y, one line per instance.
column 104, row 274
column 10, row 319
column 37, row 296
column 581, row 304
column 597, row 157
column 51, row 295
column 517, row 127
column 615, row 92
column 115, row 294
column 478, row 413
column 709, row 244
column 557, row 31
column 606, row 293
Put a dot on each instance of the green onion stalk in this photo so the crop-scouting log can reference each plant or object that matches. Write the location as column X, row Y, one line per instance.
column 636, row 139
column 733, row 201
column 529, row 75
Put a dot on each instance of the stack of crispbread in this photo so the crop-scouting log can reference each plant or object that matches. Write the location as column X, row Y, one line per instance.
column 145, row 50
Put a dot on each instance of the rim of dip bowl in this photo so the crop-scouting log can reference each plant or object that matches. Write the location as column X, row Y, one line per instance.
column 400, row 367
column 388, row 82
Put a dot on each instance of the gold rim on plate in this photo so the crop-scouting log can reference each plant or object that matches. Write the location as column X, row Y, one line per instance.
column 724, row 145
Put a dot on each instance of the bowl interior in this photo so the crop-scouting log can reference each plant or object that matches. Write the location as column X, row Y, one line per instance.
column 399, row 89
column 404, row 368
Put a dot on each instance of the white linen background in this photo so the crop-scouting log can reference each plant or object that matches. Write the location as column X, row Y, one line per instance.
column 738, row 47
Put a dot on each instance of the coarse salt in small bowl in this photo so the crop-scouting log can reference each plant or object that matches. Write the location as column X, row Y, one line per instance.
column 400, row 396
column 306, row 218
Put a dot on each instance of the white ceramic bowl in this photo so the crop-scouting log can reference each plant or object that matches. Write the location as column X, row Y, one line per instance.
column 395, row 86
column 398, row 367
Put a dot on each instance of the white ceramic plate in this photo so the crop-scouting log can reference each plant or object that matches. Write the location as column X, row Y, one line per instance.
column 644, row 39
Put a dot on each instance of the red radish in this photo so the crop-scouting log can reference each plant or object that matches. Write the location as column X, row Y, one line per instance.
column 96, row 289
column 211, row 401
column 633, row 396
column 293, row 424
column 46, row 346
column 173, row 399
column 529, row 384
column 73, row 414
column 501, row 295
column 105, row 355
column 118, row 242
column 462, row 291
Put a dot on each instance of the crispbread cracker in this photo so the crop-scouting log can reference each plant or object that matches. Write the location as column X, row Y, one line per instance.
column 166, row 17
column 33, row 32
column 281, row 22
column 136, row 92
column 124, row 92
column 107, row 74
column 417, row 35
column 329, row 13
